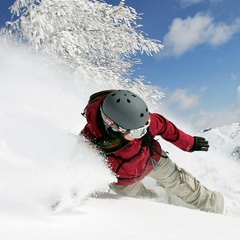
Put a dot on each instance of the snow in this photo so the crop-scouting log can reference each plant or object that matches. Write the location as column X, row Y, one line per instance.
column 121, row 218
column 44, row 163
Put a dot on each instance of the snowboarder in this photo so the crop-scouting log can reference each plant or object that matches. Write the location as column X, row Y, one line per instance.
column 121, row 126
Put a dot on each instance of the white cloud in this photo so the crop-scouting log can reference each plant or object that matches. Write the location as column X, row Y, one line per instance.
column 186, row 107
column 183, row 100
column 187, row 3
column 215, row 118
column 210, row 119
column 238, row 95
column 186, row 34
column 234, row 76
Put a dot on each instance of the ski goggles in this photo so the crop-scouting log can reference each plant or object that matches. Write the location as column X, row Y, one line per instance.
column 135, row 133
column 139, row 132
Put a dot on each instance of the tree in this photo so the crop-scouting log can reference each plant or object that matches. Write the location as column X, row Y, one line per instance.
column 89, row 34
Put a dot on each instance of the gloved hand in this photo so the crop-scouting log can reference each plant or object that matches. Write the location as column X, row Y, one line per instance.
column 200, row 144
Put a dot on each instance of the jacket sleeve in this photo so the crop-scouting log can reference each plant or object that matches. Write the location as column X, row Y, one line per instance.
column 168, row 131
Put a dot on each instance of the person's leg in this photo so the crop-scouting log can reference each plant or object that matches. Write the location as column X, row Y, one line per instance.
column 137, row 190
column 182, row 184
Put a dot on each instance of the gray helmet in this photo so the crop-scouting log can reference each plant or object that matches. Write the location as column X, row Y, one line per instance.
column 126, row 109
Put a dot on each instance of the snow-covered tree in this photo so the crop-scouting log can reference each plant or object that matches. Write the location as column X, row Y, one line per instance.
column 91, row 34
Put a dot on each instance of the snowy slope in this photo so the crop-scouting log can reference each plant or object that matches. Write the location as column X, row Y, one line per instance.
column 43, row 162
column 115, row 218
column 224, row 138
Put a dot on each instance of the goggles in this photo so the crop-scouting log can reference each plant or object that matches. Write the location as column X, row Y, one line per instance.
column 135, row 133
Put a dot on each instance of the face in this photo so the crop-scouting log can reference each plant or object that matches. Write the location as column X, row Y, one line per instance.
column 129, row 137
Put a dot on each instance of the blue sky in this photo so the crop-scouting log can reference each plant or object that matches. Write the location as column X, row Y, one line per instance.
column 4, row 11
column 199, row 67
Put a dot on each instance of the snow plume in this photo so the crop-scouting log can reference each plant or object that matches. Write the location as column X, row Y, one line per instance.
column 43, row 161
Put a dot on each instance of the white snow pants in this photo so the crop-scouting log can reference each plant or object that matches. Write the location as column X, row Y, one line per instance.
column 178, row 182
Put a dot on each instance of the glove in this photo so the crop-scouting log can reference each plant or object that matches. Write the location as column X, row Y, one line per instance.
column 200, row 144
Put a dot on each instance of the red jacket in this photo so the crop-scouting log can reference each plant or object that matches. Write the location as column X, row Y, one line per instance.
column 133, row 162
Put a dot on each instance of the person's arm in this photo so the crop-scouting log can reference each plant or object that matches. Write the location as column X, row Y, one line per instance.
column 168, row 131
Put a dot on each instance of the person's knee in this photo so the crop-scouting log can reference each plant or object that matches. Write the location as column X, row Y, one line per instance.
column 188, row 179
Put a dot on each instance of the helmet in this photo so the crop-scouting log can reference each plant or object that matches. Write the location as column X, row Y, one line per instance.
column 126, row 109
